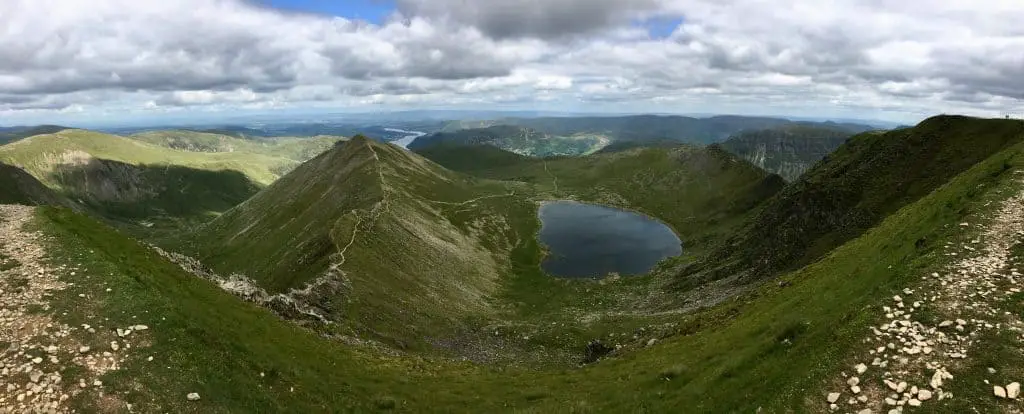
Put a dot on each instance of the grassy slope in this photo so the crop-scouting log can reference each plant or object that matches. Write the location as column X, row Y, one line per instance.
column 701, row 192
column 414, row 259
column 18, row 187
column 772, row 349
column 40, row 155
column 868, row 178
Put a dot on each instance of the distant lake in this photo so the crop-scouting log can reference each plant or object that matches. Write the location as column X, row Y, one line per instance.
column 586, row 240
column 406, row 140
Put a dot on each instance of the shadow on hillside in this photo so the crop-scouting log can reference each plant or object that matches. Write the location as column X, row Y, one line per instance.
column 122, row 191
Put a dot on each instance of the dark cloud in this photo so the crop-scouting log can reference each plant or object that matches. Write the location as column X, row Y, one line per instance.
column 546, row 19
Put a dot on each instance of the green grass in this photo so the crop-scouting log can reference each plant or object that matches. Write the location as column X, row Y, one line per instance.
column 774, row 348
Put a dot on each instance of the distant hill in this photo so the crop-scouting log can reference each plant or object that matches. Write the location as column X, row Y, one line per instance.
column 19, row 187
column 519, row 140
column 131, row 181
column 11, row 134
column 788, row 150
column 586, row 135
column 869, row 177
column 296, row 149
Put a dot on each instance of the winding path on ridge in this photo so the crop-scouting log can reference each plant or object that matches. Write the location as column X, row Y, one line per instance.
column 911, row 358
column 554, row 179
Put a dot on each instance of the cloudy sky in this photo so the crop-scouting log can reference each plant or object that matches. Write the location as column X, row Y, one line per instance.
column 103, row 60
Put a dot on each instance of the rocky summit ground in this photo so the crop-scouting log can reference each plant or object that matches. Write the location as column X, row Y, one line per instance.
column 929, row 335
column 45, row 364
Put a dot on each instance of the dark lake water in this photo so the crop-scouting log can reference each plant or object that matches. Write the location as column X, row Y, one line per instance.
column 586, row 240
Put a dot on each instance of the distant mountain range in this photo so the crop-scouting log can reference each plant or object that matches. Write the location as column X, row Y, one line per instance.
column 579, row 136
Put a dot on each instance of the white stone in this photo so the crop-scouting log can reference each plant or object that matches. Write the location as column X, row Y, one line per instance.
column 924, row 395
column 999, row 391
column 914, row 402
column 861, row 368
column 833, row 397
column 853, row 381
column 1013, row 390
column 192, row 396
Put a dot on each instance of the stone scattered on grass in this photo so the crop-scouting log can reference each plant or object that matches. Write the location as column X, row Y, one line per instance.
column 1013, row 390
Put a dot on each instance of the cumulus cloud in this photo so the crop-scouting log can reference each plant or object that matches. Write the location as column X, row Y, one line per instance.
column 865, row 56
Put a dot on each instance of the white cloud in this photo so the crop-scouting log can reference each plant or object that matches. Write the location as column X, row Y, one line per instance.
column 852, row 56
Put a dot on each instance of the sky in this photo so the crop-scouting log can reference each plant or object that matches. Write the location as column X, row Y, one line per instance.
column 111, row 61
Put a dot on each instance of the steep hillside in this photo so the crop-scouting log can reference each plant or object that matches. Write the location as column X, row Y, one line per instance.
column 865, row 180
column 19, row 187
column 295, row 149
column 370, row 235
column 702, row 192
column 519, row 140
column 787, row 151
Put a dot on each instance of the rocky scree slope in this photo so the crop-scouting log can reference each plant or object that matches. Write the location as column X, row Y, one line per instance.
column 786, row 151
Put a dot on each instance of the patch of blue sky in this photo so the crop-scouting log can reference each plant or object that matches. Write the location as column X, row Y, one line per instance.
column 373, row 11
